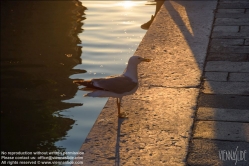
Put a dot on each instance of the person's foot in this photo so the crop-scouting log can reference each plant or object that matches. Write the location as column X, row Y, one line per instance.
column 147, row 24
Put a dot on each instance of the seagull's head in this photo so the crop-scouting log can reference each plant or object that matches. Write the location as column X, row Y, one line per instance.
column 137, row 59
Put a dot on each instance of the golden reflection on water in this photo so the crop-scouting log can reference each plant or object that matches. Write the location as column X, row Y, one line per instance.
column 111, row 35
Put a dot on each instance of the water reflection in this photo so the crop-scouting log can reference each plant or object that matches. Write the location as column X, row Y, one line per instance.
column 38, row 51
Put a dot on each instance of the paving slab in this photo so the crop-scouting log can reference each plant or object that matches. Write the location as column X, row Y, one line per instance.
column 235, row 57
column 232, row 21
column 239, row 77
column 234, row 5
column 215, row 153
column 227, row 66
column 229, row 49
column 230, row 35
column 244, row 28
column 222, row 114
column 226, row 42
column 216, row 76
column 181, row 43
column 224, row 101
column 246, row 42
column 161, row 112
column 220, row 135
column 232, row 15
column 230, row 11
column 226, row 29
column 157, row 130
column 229, row 131
column 216, row 87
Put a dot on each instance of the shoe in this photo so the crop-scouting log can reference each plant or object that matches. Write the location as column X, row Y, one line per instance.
column 147, row 24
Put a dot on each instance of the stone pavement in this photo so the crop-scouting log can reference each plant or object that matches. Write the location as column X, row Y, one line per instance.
column 222, row 120
column 176, row 105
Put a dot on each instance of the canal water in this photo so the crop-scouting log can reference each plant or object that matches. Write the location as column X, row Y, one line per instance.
column 111, row 35
column 47, row 44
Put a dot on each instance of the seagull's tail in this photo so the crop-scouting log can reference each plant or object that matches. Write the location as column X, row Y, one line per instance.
column 88, row 85
column 78, row 82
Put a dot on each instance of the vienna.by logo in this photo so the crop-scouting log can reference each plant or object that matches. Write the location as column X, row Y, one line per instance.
column 233, row 155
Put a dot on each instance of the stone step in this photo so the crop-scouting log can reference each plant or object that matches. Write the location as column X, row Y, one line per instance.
column 234, row 57
column 235, row 5
column 227, row 66
column 223, row 101
column 230, row 35
column 222, row 114
column 215, row 87
column 229, row 131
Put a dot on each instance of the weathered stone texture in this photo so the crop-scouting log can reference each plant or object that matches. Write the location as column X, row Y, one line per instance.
column 206, row 152
column 227, row 66
column 214, row 87
column 232, row 131
column 224, row 101
column 231, row 21
column 230, row 11
column 216, row 56
column 239, row 77
column 222, row 114
column 230, row 35
column 226, row 29
column 216, row 76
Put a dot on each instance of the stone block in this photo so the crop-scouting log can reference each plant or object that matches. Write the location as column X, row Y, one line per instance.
column 227, row 42
column 246, row 42
column 205, row 152
column 244, row 29
column 216, row 56
column 216, row 76
column 223, row 101
column 231, row 21
column 214, row 87
column 229, row 49
column 233, row 1
column 231, row 15
column 238, row 77
column 242, row 5
column 230, row 11
column 227, row 66
column 226, row 29
column 230, row 131
column 230, row 35
column 222, row 114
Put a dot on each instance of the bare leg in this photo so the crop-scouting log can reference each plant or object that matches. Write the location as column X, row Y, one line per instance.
column 120, row 115
column 118, row 104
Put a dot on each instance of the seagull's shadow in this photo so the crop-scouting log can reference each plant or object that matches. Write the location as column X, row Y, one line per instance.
column 117, row 158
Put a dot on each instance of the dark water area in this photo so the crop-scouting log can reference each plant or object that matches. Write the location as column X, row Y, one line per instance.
column 38, row 52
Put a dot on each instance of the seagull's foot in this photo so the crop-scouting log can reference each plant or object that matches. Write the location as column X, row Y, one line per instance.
column 123, row 115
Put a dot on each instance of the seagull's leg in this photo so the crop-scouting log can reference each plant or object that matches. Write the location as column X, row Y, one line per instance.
column 118, row 104
column 120, row 115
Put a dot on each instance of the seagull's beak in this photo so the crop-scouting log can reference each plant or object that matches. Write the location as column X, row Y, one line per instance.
column 146, row 60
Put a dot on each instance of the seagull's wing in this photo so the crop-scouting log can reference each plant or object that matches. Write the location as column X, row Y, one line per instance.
column 119, row 84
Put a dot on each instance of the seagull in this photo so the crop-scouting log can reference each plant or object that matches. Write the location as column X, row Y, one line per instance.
column 115, row 86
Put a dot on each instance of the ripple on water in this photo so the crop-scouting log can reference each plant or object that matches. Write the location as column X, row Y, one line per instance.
column 111, row 35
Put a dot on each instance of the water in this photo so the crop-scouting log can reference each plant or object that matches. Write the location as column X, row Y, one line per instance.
column 111, row 35
column 42, row 49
